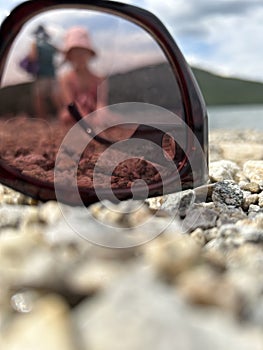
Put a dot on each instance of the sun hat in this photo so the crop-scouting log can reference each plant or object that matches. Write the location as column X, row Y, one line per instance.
column 78, row 37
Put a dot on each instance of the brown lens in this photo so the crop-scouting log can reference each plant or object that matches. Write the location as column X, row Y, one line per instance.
column 126, row 82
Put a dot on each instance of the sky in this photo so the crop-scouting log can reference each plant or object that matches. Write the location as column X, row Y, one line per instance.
column 222, row 36
column 120, row 45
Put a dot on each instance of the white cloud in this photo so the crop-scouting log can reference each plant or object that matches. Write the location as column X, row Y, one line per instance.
column 223, row 35
column 236, row 45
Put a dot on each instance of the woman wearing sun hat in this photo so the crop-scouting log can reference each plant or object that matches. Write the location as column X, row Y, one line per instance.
column 80, row 85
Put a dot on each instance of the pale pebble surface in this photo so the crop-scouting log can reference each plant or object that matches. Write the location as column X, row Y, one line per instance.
column 189, row 274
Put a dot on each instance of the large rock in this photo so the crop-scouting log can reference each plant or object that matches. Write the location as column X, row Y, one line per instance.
column 140, row 313
column 223, row 170
column 253, row 169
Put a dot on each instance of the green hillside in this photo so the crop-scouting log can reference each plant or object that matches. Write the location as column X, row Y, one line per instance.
column 129, row 86
column 219, row 90
column 216, row 90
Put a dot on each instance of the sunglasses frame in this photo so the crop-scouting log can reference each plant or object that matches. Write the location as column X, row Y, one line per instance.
column 193, row 103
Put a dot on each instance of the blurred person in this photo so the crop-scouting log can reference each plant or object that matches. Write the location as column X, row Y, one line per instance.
column 46, row 92
column 88, row 91
column 80, row 85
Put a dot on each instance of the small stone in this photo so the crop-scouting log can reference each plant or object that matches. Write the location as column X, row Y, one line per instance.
column 209, row 205
column 252, row 235
column 248, row 230
column 230, row 215
column 215, row 244
column 101, row 212
column 90, row 277
column 172, row 256
column 204, row 286
column 199, row 236
column 254, row 208
column 249, row 199
column 25, row 261
column 227, row 193
column 14, row 249
column 11, row 216
column 215, row 259
column 260, row 200
column 256, row 222
column 156, row 202
column 247, row 259
column 127, row 214
column 211, row 234
column 199, row 217
column 47, row 326
column 186, row 201
column 174, row 203
column 223, row 170
column 23, row 301
column 242, row 184
column 225, row 244
column 253, row 169
column 139, row 216
column 245, row 282
column 240, row 177
column 50, row 212
column 227, row 231
column 12, row 197
column 252, row 187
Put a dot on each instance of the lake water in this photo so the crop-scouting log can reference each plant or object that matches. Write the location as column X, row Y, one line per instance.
column 236, row 117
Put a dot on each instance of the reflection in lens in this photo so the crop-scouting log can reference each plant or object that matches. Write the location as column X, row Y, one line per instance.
column 128, row 94
column 29, row 146
column 134, row 68
column 169, row 146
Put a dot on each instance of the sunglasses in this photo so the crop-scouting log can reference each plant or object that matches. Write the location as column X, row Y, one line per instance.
column 97, row 102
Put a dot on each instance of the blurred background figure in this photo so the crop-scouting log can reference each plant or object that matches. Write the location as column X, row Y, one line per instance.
column 46, row 94
column 79, row 84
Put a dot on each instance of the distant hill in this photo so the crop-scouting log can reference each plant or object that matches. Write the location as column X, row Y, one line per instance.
column 216, row 90
column 154, row 84
column 219, row 90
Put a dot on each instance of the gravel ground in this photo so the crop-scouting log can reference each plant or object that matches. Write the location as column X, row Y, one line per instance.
column 198, row 285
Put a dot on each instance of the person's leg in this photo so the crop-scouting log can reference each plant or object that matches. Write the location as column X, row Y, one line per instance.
column 54, row 96
column 40, row 97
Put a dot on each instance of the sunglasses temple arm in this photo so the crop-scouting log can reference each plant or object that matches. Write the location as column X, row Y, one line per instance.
column 73, row 110
column 139, row 133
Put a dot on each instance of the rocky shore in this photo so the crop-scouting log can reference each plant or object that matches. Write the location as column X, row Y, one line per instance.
column 189, row 276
